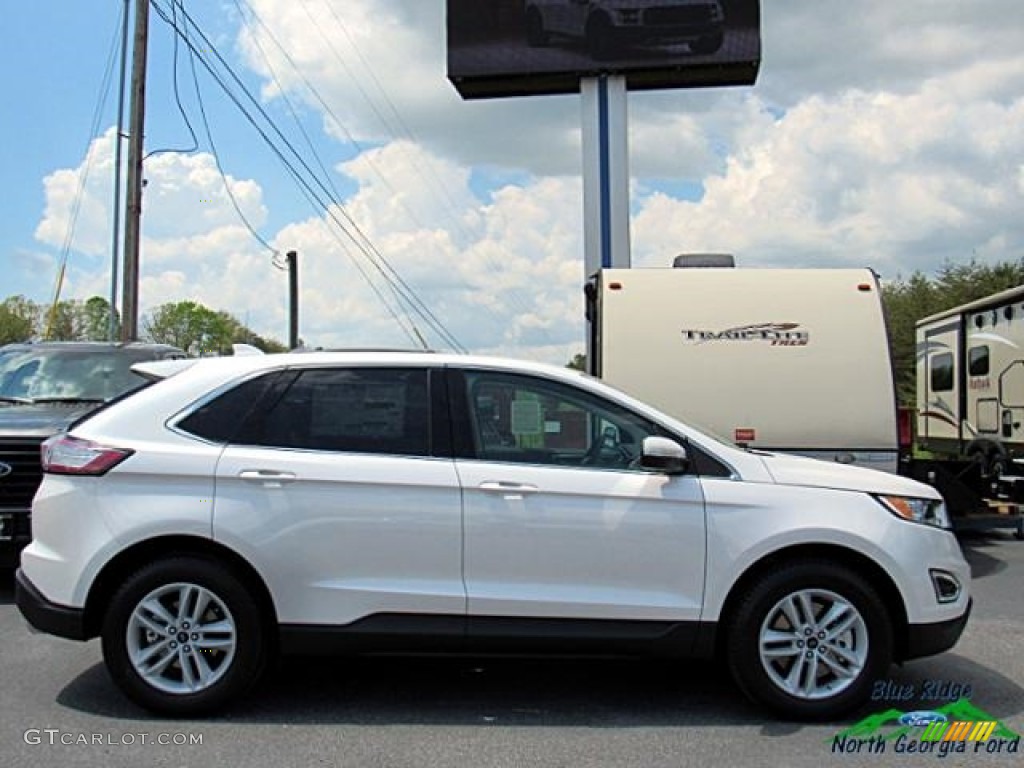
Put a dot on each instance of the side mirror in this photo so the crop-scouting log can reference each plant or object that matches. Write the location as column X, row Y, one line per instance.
column 663, row 455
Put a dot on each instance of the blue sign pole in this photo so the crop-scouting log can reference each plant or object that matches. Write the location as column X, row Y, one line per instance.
column 605, row 173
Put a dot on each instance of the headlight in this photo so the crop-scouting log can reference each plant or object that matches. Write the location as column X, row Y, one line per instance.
column 927, row 511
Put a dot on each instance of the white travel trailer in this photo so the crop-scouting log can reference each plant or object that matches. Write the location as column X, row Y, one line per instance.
column 791, row 360
column 970, row 381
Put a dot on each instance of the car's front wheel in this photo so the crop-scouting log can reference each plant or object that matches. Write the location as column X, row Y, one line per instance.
column 183, row 636
column 809, row 639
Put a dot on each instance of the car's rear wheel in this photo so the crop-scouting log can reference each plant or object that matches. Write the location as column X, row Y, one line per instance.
column 183, row 637
column 809, row 639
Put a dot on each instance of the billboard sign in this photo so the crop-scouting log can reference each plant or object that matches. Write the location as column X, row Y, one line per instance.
column 527, row 47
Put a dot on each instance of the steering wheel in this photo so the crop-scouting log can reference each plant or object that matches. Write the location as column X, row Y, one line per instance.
column 608, row 439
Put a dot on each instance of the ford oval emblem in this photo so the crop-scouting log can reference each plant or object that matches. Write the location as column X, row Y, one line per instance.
column 5, row 469
column 922, row 718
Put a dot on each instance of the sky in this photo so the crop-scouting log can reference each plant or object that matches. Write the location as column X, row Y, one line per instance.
column 878, row 134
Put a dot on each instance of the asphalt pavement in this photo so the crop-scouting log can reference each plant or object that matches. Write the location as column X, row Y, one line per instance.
column 58, row 707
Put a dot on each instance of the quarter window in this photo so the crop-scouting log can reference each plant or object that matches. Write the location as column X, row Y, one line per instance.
column 942, row 372
column 359, row 410
column 219, row 419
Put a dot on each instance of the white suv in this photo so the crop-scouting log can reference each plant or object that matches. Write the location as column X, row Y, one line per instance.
column 363, row 502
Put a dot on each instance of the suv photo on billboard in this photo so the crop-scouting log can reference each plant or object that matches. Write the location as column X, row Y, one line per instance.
column 44, row 388
column 608, row 26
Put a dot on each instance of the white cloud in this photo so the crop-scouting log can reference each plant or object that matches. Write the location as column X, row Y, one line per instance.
column 501, row 276
column 894, row 182
column 879, row 134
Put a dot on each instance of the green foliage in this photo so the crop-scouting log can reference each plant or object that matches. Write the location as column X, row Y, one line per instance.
column 192, row 327
column 202, row 331
column 19, row 318
column 96, row 320
column 908, row 301
column 22, row 319
column 578, row 362
column 183, row 324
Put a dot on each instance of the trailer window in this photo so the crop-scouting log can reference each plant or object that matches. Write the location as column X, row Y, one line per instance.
column 942, row 372
column 978, row 361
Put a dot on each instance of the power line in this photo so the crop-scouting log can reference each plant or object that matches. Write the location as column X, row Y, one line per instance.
column 216, row 157
column 83, row 178
column 330, row 205
column 413, row 331
column 177, row 99
column 514, row 298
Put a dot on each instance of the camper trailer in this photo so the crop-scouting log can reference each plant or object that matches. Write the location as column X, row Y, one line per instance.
column 970, row 382
column 790, row 360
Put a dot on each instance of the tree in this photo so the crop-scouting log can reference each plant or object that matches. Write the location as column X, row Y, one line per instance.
column 192, row 327
column 65, row 321
column 202, row 331
column 578, row 362
column 19, row 319
column 96, row 320
column 908, row 301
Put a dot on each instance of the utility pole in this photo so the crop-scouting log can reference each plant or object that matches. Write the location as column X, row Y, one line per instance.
column 133, row 217
column 293, row 299
column 115, row 239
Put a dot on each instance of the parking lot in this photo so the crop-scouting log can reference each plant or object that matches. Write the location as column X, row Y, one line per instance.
column 60, row 708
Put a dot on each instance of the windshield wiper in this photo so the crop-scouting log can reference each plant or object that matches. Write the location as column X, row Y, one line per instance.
column 67, row 400
column 19, row 400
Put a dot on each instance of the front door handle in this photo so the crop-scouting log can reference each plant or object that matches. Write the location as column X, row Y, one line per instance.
column 270, row 478
column 512, row 489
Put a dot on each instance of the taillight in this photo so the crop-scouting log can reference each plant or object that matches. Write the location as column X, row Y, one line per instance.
column 67, row 455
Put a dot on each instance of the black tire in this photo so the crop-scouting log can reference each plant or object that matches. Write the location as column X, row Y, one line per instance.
column 760, row 609
column 601, row 41
column 990, row 456
column 998, row 463
column 185, row 657
column 707, row 45
column 536, row 35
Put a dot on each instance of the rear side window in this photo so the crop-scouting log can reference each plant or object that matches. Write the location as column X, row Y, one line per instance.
column 359, row 410
column 219, row 419
column 942, row 372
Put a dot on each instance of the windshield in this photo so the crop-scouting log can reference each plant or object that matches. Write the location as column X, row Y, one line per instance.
column 90, row 374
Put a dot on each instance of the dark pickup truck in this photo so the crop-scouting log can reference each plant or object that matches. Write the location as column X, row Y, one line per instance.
column 44, row 388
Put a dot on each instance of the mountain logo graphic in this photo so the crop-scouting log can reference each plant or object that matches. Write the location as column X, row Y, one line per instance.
column 948, row 722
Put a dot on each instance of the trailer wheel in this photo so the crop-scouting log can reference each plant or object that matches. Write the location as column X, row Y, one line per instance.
column 990, row 456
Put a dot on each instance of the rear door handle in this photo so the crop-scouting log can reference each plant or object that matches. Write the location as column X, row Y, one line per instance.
column 270, row 478
column 512, row 489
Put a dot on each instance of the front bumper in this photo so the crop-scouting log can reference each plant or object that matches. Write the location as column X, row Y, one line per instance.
column 933, row 638
column 45, row 616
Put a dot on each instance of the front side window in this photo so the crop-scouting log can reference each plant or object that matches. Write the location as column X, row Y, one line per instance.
column 359, row 410
column 942, row 372
column 526, row 420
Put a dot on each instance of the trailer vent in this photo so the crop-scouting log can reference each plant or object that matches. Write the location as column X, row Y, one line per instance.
column 691, row 260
